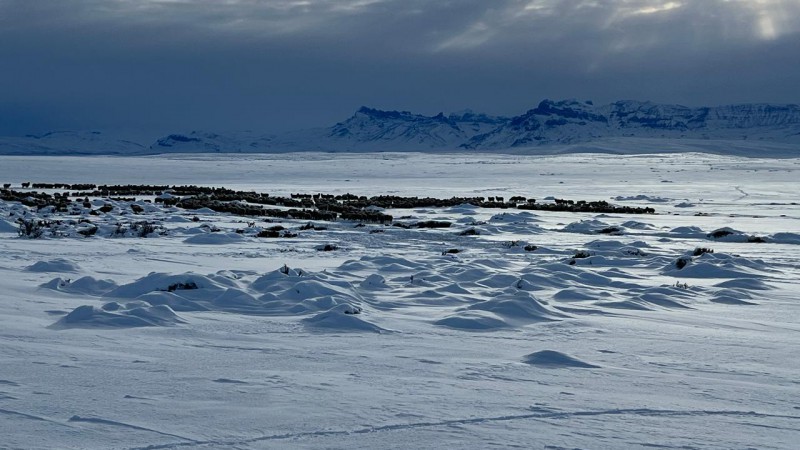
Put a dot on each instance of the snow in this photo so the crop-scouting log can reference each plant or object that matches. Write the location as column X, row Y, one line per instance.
column 193, row 338
column 552, row 127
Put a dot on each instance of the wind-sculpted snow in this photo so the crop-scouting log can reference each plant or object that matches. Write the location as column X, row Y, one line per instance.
column 115, row 315
column 553, row 359
column 55, row 265
column 168, row 327
column 464, row 294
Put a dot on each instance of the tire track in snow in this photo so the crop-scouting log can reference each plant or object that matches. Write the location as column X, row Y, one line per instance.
column 538, row 414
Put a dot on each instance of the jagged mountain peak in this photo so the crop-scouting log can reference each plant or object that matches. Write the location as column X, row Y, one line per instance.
column 568, row 121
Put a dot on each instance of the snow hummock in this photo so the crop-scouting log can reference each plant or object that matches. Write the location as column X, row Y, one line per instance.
column 590, row 339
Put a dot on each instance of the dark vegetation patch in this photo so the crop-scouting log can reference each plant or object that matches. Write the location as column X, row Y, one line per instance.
column 303, row 206
column 717, row 234
column 432, row 224
column 182, row 286
column 701, row 250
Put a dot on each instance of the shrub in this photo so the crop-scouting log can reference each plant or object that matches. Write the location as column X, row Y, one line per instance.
column 469, row 232
column 182, row 286
column 681, row 262
column 433, row 224
column 119, row 231
column 142, row 229
column 720, row 233
column 31, row 228
column 311, row 226
column 89, row 231
column 700, row 250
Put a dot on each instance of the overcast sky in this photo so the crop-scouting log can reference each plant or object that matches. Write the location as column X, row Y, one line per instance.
column 150, row 67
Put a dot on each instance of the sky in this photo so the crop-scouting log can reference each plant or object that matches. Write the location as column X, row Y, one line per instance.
column 146, row 68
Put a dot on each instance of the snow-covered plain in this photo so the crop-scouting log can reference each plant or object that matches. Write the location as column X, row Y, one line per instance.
column 201, row 339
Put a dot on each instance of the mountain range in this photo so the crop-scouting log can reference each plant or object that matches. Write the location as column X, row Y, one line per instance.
column 551, row 124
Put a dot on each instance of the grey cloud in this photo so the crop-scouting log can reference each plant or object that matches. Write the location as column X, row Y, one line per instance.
column 157, row 66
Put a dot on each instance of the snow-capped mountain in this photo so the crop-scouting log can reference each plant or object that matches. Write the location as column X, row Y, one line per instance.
column 562, row 122
column 570, row 121
column 205, row 142
column 550, row 123
column 394, row 128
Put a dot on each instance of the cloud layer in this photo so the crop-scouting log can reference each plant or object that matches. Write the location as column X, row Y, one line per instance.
column 153, row 66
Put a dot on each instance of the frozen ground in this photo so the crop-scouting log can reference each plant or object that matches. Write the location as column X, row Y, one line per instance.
column 201, row 339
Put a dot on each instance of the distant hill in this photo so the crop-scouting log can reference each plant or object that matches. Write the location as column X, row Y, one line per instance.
column 570, row 123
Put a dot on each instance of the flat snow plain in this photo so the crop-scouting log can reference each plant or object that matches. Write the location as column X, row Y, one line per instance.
column 495, row 346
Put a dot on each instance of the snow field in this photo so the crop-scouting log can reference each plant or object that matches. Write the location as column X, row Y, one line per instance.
column 193, row 338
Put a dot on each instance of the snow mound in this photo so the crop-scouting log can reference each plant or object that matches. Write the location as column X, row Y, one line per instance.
column 373, row 281
column 592, row 226
column 522, row 217
column 642, row 198
column 115, row 315
column 83, row 286
column 552, row 359
column 473, row 321
column 785, row 238
column 344, row 317
column 7, row 227
column 518, row 307
column 54, row 265
column 188, row 285
column 744, row 283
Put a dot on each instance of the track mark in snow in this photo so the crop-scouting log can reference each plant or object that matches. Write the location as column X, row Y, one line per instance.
column 229, row 381
column 125, row 425
column 744, row 194
column 31, row 416
column 538, row 413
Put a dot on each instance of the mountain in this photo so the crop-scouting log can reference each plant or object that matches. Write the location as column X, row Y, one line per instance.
column 69, row 142
column 204, row 142
column 571, row 124
column 566, row 122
